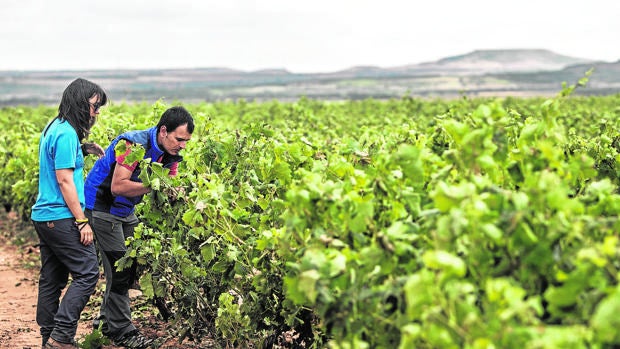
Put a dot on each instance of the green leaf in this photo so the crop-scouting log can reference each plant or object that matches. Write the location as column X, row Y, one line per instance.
column 302, row 289
column 207, row 251
column 445, row 261
column 307, row 284
column 605, row 320
column 493, row 232
column 363, row 215
column 408, row 158
column 146, row 285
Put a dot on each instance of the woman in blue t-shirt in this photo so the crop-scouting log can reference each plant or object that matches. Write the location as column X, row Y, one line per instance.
column 66, row 238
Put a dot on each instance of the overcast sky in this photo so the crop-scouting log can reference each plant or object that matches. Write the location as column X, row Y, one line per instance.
column 300, row 36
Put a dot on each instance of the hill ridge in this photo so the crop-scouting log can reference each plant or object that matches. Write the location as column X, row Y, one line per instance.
column 479, row 72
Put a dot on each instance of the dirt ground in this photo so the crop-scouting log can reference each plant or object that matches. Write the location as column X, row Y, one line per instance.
column 19, row 272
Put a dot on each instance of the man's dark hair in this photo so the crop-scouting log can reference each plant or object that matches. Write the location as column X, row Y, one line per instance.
column 175, row 117
column 75, row 108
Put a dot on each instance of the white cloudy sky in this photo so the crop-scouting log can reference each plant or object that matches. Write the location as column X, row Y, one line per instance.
column 301, row 36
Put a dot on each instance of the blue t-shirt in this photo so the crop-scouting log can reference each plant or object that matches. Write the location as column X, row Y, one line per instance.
column 59, row 148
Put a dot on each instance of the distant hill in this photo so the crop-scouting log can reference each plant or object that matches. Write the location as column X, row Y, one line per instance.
column 519, row 72
column 474, row 63
column 503, row 61
column 604, row 78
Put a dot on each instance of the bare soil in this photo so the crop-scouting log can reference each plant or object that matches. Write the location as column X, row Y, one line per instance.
column 19, row 273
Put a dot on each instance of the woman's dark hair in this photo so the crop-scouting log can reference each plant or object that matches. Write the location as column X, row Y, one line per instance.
column 75, row 107
column 175, row 117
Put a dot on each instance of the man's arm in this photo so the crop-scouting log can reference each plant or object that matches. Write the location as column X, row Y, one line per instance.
column 123, row 185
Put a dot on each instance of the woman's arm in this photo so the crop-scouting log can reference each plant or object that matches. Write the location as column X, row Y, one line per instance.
column 69, row 193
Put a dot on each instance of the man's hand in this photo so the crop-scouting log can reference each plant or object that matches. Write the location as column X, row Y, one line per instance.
column 92, row 148
column 175, row 194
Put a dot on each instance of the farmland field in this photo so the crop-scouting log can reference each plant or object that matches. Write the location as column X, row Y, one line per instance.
column 406, row 223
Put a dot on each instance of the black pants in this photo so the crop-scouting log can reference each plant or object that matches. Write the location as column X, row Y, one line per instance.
column 62, row 254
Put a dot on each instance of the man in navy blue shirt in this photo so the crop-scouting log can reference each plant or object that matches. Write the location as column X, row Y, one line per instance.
column 112, row 189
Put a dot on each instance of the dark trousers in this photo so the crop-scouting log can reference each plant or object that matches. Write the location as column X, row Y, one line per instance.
column 62, row 254
column 110, row 234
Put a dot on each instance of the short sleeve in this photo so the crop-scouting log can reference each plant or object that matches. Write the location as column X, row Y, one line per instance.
column 65, row 151
column 121, row 159
column 173, row 169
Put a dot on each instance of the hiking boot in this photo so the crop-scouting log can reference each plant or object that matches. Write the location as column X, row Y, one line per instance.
column 133, row 340
column 54, row 344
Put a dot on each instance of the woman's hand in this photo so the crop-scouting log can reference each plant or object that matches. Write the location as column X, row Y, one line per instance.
column 92, row 148
column 86, row 235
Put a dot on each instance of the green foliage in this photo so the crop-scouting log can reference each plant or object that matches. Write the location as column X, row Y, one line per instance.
column 476, row 223
column 96, row 339
column 136, row 152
